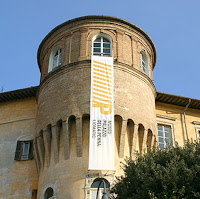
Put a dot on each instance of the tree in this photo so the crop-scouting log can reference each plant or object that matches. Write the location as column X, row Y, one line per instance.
column 172, row 173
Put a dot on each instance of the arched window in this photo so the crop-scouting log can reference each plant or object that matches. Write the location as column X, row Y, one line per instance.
column 49, row 193
column 55, row 58
column 144, row 63
column 102, row 45
column 95, row 186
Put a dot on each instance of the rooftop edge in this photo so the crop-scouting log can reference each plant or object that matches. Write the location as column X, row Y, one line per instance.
column 105, row 17
column 161, row 97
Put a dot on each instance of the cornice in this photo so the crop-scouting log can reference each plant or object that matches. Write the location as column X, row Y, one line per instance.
column 61, row 70
column 196, row 122
column 166, row 117
column 87, row 64
column 137, row 73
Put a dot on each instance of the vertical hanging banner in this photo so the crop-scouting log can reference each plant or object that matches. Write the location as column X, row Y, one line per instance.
column 101, row 146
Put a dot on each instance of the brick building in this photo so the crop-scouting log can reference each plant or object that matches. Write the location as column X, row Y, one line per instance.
column 44, row 130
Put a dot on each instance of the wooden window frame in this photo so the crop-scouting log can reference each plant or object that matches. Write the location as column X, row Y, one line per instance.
column 102, row 36
column 57, row 58
column 57, row 50
column 164, row 137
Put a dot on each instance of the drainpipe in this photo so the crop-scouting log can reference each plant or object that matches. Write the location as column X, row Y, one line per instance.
column 185, row 117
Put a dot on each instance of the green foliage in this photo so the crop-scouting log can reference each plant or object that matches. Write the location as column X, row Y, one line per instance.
column 163, row 174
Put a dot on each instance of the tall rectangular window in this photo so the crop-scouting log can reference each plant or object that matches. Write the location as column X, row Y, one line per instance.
column 164, row 136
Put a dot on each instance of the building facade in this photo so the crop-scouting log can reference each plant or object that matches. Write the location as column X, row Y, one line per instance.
column 44, row 130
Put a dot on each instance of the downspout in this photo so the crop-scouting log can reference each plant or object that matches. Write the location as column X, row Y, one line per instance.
column 185, row 118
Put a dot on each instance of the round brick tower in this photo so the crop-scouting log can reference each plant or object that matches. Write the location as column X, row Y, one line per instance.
column 62, row 128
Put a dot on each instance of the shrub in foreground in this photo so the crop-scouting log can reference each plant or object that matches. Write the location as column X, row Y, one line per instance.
column 172, row 173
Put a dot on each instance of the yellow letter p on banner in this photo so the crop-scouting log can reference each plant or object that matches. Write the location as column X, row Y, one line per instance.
column 101, row 146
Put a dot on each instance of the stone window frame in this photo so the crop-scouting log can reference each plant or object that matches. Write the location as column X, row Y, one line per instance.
column 165, row 143
column 103, row 35
column 144, row 64
column 58, row 49
column 90, row 177
column 197, row 129
column 100, row 189
column 198, row 133
column 54, row 186
column 165, row 120
column 46, row 197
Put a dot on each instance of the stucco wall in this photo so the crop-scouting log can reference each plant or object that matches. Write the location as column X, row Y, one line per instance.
column 17, row 178
column 171, row 115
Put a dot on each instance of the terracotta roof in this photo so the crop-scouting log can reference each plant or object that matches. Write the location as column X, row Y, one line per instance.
column 177, row 100
column 18, row 94
column 161, row 97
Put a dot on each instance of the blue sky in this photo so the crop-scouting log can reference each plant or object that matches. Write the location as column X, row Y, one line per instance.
column 173, row 25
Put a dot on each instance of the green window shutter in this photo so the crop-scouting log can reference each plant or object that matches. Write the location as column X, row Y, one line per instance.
column 18, row 150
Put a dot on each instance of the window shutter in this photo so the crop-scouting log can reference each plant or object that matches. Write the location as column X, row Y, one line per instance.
column 30, row 155
column 34, row 194
column 18, row 150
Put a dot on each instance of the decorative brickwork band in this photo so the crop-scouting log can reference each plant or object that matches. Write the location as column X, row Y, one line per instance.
column 134, row 141
column 122, row 138
column 83, row 43
column 36, row 156
column 41, row 151
column 153, row 144
column 152, row 141
column 55, row 137
column 79, row 136
column 120, row 46
column 47, row 145
column 66, row 139
column 144, row 143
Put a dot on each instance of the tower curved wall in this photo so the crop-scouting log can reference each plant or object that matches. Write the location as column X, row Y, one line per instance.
column 62, row 122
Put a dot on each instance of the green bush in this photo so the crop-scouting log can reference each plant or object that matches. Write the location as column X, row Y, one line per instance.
column 172, row 173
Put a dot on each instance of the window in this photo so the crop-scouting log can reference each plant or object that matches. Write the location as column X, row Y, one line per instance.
column 164, row 136
column 144, row 62
column 102, row 46
column 49, row 193
column 24, row 150
column 197, row 129
column 198, row 134
column 55, row 58
column 95, row 186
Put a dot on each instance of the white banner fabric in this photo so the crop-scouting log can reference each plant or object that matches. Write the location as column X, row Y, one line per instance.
column 101, row 146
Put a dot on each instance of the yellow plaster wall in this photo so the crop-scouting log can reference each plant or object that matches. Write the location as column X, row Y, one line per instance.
column 17, row 178
column 173, row 115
